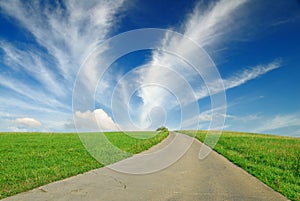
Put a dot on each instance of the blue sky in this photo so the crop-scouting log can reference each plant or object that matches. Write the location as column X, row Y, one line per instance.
column 45, row 45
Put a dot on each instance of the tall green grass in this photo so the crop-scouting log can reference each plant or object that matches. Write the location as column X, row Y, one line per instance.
column 275, row 160
column 29, row 160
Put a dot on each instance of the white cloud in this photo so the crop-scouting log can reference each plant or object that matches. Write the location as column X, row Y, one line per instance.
column 238, row 78
column 251, row 117
column 35, row 93
column 204, row 117
column 279, row 121
column 284, row 21
column 28, row 122
column 42, row 71
column 250, row 74
column 94, row 120
column 208, row 29
column 32, row 61
column 4, row 114
column 201, row 27
column 68, row 32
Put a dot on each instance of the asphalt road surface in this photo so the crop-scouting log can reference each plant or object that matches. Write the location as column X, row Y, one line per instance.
column 213, row 178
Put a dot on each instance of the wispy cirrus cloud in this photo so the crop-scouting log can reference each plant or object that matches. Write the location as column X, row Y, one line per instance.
column 41, row 72
column 41, row 68
column 247, row 74
column 32, row 92
column 32, row 62
column 64, row 29
column 278, row 122
column 208, row 29
column 239, row 78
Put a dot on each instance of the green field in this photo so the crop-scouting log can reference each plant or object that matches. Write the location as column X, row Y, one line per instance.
column 275, row 160
column 29, row 160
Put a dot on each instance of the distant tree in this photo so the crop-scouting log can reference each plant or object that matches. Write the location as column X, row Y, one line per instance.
column 162, row 128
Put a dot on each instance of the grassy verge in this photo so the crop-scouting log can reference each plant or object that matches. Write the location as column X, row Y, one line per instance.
column 136, row 141
column 29, row 160
column 275, row 160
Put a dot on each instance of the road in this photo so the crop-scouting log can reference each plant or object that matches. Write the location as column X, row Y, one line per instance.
column 213, row 178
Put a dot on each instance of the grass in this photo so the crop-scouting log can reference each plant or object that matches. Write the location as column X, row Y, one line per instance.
column 136, row 142
column 29, row 160
column 275, row 160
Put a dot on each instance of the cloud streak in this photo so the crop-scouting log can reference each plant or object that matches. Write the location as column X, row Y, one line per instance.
column 41, row 75
column 201, row 27
column 208, row 29
column 239, row 78
column 279, row 121
column 41, row 68
column 65, row 30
